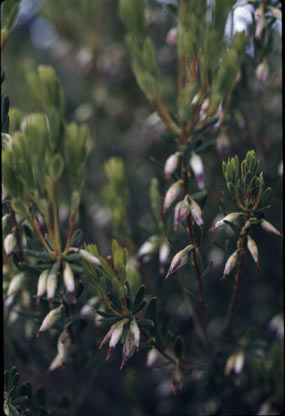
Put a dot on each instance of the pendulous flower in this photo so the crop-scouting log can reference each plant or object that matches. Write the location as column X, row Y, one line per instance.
column 179, row 260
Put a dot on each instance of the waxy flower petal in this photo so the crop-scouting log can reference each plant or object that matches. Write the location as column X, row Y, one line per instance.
column 196, row 212
column 171, row 164
column 198, row 169
column 9, row 243
column 179, row 260
column 42, row 283
column 267, row 226
column 252, row 247
column 171, row 194
column 230, row 263
column 50, row 319
column 181, row 212
column 16, row 284
column 164, row 252
column 230, row 218
column 68, row 278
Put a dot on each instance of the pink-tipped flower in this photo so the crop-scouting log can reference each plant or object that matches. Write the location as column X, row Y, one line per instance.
column 171, row 164
column 230, row 217
column 16, row 284
column 181, row 212
column 136, row 333
column 179, row 260
column 252, row 247
column 50, row 319
column 68, row 279
column 172, row 193
column 164, row 252
column 230, row 264
column 128, row 349
column 196, row 212
column 171, row 37
column 262, row 72
column 42, row 283
column 9, row 243
column 113, row 336
column 198, row 169
column 51, row 285
column 268, row 227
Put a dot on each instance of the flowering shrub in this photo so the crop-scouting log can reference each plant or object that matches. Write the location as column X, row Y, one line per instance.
column 59, row 284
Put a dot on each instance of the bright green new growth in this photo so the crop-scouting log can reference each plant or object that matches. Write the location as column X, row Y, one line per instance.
column 248, row 192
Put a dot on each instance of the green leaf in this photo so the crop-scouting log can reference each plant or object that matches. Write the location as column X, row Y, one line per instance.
column 56, row 166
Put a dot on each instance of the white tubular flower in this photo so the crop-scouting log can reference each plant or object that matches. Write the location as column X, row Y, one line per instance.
column 135, row 331
column 239, row 362
column 171, row 194
column 152, row 357
column 42, row 283
column 230, row 263
column 51, row 285
column 230, row 217
column 68, row 278
column 128, row 349
column 50, row 319
column 196, row 213
column 252, row 247
column 89, row 257
column 179, row 260
column 56, row 362
column 267, row 226
column 171, row 36
column 113, row 336
column 171, row 164
column 181, row 212
column 198, row 169
column 164, row 252
column 149, row 247
column 16, row 284
column 9, row 243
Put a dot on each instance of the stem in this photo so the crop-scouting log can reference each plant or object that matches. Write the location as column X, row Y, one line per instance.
column 72, row 220
column 182, row 66
column 16, row 231
column 154, row 343
column 55, row 220
column 161, row 108
column 241, row 244
column 192, row 311
column 196, row 263
column 36, row 227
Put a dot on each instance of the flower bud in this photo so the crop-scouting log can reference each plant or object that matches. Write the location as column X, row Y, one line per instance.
column 181, row 212
column 89, row 257
column 128, row 349
column 196, row 213
column 267, row 226
column 42, row 283
column 198, row 169
column 51, row 285
column 50, row 319
column 16, row 284
column 68, row 279
column 230, row 263
column 262, row 72
column 204, row 108
column 179, row 260
column 163, row 256
column 6, row 141
column 56, row 362
column 136, row 333
column 252, row 247
column 113, row 336
column 9, row 243
column 171, row 164
column 234, row 362
column 230, row 217
column 171, row 194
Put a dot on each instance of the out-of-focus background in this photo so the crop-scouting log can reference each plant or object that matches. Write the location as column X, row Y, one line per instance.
column 85, row 42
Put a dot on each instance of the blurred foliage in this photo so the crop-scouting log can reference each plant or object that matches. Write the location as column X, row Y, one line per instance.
column 85, row 42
